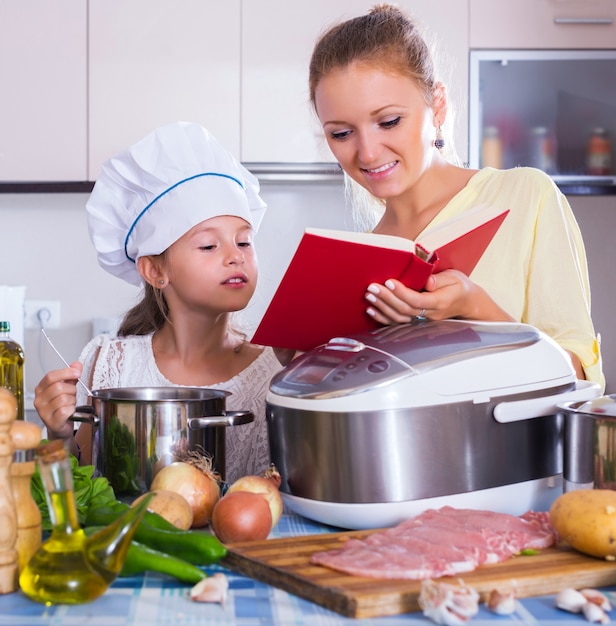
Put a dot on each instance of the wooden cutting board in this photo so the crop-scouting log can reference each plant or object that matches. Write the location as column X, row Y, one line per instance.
column 285, row 563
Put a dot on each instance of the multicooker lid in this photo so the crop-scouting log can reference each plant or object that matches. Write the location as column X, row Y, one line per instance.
column 347, row 364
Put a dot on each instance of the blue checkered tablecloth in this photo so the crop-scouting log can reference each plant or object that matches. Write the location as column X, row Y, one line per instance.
column 154, row 600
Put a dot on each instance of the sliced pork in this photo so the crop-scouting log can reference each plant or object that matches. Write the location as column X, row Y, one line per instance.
column 440, row 542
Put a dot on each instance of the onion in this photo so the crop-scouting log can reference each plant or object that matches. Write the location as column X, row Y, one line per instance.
column 241, row 516
column 266, row 485
column 198, row 485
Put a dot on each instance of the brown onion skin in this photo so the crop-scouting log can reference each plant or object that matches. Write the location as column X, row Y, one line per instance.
column 200, row 490
column 241, row 516
column 266, row 486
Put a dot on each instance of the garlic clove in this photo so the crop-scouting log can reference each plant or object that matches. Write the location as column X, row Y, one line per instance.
column 570, row 600
column 596, row 597
column 594, row 613
column 211, row 589
column 450, row 605
column 502, row 602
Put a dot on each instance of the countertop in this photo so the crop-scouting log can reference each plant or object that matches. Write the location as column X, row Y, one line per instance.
column 155, row 600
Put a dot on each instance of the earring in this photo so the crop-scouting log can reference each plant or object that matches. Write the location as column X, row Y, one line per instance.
column 161, row 282
column 439, row 142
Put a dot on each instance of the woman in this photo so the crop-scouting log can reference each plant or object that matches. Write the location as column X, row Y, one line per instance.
column 374, row 90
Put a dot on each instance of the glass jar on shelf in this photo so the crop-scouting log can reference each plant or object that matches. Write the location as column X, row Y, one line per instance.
column 491, row 148
column 541, row 153
column 599, row 154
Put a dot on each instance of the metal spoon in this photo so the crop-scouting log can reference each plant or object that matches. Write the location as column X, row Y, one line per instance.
column 50, row 342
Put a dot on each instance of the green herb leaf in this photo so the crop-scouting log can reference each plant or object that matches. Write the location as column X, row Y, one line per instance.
column 88, row 491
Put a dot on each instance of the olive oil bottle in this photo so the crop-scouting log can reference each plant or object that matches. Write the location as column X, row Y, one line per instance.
column 12, row 367
column 70, row 567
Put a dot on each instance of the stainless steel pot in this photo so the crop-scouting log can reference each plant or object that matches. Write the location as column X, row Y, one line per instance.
column 139, row 430
column 590, row 444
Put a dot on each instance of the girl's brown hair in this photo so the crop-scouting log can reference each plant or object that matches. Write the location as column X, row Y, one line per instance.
column 149, row 314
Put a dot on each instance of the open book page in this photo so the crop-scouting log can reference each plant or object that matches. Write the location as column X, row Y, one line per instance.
column 457, row 226
column 392, row 242
column 430, row 241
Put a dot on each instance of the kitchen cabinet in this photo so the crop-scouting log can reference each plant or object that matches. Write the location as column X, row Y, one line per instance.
column 90, row 79
column 43, row 73
column 152, row 63
column 542, row 24
column 278, row 124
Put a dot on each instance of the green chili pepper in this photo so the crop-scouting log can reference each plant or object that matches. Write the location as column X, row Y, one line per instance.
column 140, row 559
column 195, row 546
column 108, row 512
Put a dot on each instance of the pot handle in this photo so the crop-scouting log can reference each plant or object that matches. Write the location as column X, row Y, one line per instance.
column 547, row 405
column 229, row 418
column 85, row 414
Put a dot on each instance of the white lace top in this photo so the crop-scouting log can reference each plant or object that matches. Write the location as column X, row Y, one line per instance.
column 129, row 362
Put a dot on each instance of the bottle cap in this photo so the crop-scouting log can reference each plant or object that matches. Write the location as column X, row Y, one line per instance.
column 5, row 327
column 51, row 452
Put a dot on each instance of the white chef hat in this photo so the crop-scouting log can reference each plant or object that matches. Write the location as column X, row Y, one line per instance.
column 151, row 194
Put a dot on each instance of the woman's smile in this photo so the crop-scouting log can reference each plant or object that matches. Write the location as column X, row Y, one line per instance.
column 383, row 169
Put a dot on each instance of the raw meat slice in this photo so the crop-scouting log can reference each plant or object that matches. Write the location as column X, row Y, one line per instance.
column 384, row 561
column 442, row 542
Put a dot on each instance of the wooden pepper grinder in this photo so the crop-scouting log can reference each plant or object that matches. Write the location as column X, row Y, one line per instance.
column 9, row 566
column 26, row 436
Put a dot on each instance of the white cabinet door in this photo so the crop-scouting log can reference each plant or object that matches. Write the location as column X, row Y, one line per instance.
column 43, row 69
column 542, row 24
column 153, row 62
column 278, row 36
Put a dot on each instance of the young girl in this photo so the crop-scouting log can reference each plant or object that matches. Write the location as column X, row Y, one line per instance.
column 175, row 213
column 374, row 89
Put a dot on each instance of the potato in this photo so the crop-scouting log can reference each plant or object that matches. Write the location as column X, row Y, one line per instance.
column 170, row 505
column 586, row 520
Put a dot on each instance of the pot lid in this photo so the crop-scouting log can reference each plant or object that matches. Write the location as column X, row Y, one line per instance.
column 601, row 406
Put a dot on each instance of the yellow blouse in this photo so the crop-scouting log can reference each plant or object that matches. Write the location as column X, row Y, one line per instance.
column 535, row 267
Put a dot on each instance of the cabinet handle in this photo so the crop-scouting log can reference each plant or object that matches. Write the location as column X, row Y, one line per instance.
column 584, row 20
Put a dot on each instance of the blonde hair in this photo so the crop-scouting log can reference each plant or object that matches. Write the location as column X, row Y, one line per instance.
column 391, row 40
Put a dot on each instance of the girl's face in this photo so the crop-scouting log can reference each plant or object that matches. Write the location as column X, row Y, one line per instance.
column 378, row 126
column 213, row 266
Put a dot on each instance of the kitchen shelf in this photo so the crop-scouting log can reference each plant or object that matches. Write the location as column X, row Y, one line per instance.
column 586, row 185
column 47, row 187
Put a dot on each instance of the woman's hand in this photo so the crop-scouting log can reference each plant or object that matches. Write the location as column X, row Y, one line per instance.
column 448, row 294
column 55, row 399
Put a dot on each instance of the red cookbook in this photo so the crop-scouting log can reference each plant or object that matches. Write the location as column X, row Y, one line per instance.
column 321, row 294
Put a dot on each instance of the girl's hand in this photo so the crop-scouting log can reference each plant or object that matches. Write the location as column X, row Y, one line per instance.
column 55, row 399
column 448, row 294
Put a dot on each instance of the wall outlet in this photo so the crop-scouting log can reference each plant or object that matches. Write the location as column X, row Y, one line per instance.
column 47, row 310
column 105, row 325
